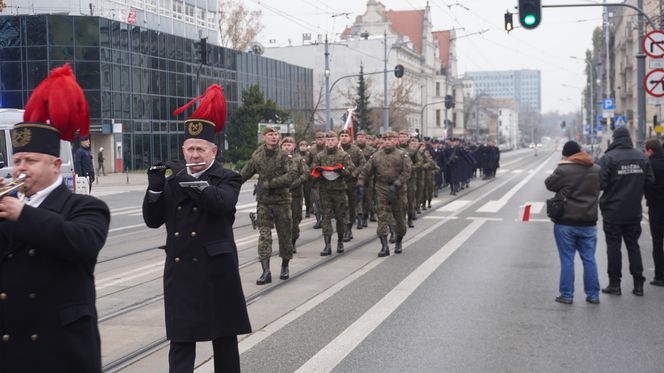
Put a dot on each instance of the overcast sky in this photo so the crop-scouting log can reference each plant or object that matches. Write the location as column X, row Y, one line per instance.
column 564, row 32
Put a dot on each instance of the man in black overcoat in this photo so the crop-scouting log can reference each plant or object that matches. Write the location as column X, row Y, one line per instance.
column 203, row 295
column 49, row 242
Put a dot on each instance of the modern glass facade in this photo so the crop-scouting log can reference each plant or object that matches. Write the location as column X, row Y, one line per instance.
column 137, row 76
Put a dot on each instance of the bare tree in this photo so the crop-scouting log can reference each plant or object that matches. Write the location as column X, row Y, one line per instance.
column 401, row 107
column 238, row 26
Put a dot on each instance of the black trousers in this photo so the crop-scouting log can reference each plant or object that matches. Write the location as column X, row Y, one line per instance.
column 614, row 234
column 656, row 220
column 226, row 356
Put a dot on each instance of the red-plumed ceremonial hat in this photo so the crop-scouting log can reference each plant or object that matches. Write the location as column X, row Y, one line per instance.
column 56, row 110
column 210, row 116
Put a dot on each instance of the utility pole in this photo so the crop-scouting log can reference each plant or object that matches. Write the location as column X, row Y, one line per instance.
column 591, row 67
column 641, row 72
column 386, row 111
column 328, row 125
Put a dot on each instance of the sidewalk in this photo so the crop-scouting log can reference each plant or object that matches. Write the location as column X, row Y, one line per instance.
column 114, row 183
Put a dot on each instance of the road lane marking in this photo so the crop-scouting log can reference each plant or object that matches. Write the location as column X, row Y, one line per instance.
column 494, row 206
column 337, row 350
column 438, row 217
column 517, row 171
column 454, row 205
column 125, row 228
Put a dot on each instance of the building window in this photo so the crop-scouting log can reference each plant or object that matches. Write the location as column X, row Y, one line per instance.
column 151, row 6
column 189, row 13
column 165, row 8
column 438, row 118
column 210, row 19
column 200, row 17
column 177, row 9
column 437, row 88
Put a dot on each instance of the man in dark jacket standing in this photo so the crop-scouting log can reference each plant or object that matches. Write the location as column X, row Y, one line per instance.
column 203, row 295
column 49, row 242
column 578, row 179
column 83, row 162
column 655, row 200
column 625, row 172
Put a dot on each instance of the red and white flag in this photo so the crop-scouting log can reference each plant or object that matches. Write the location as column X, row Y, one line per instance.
column 350, row 124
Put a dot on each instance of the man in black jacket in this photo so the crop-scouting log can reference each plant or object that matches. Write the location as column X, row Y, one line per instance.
column 625, row 172
column 655, row 200
column 203, row 295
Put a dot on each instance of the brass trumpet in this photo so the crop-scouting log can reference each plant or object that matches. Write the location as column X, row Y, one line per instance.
column 163, row 166
column 12, row 186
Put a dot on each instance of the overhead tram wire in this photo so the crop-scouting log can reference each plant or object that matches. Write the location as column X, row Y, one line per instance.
column 308, row 26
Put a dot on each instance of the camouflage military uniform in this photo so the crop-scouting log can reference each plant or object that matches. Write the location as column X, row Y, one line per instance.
column 318, row 147
column 367, row 198
column 430, row 168
column 276, row 176
column 391, row 168
column 299, row 164
column 354, row 207
column 306, row 187
column 415, row 174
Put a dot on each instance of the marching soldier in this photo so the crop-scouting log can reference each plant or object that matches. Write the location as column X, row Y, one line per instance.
column 319, row 146
column 330, row 168
column 367, row 198
column 302, row 177
column 354, row 207
column 308, row 159
column 429, row 169
column 203, row 295
column 49, row 242
column 391, row 168
column 275, row 177
column 416, row 169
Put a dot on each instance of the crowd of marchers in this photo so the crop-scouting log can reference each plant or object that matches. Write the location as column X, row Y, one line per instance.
column 389, row 179
column 617, row 183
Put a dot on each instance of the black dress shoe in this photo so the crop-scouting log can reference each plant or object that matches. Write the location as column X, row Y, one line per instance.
column 592, row 300
column 612, row 289
column 563, row 300
column 657, row 282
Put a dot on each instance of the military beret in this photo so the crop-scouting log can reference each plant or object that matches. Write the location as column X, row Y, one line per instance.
column 319, row 135
column 404, row 132
column 389, row 134
column 288, row 139
column 361, row 132
column 344, row 131
column 304, row 142
column 330, row 134
column 413, row 139
column 269, row 129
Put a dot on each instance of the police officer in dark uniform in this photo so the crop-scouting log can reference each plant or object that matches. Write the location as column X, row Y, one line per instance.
column 49, row 242
column 203, row 294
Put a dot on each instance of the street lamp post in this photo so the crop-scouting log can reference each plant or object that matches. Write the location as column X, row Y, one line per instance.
column 386, row 111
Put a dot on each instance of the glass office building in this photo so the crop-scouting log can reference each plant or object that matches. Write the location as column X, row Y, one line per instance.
column 137, row 76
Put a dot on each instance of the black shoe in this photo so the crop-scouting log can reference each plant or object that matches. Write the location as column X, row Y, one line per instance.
column 397, row 245
column 418, row 211
column 307, row 214
column 429, row 204
column 612, row 289
column 657, row 282
column 284, row 270
column 327, row 250
column 392, row 236
column 318, row 222
column 385, row 248
column 365, row 221
column 340, row 247
column 372, row 217
column 266, row 277
column 564, row 300
column 410, row 221
column 349, row 231
column 294, row 249
column 359, row 222
column 592, row 300
column 638, row 290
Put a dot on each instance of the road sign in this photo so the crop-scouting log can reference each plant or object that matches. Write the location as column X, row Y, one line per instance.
column 608, row 104
column 600, row 128
column 654, row 83
column 620, row 121
column 653, row 44
column 658, row 129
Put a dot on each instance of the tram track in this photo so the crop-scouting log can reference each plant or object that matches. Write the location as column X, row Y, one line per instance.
column 145, row 351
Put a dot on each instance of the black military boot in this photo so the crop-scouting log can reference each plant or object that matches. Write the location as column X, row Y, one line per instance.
column 340, row 243
column 410, row 221
column 266, row 277
column 417, row 210
column 307, row 212
column 372, row 216
column 385, row 248
column 613, row 288
column 638, row 285
column 392, row 239
column 294, row 249
column 424, row 206
column 435, row 192
column 365, row 220
column 318, row 221
column 429, row 204
column 284, row 269
column 397, row 245
column 359, row 222
column 327, row 250
column 349, row 231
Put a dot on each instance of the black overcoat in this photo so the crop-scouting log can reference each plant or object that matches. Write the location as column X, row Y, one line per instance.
column 48, row 319
column 203, row 295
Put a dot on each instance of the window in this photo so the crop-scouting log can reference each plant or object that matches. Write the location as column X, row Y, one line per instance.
column 151, row 6
column 166, row 6
column 200, row 17
column 177, row 9
column 437, row 88
column 189, row 13
column 210, row 19
column 438, row 117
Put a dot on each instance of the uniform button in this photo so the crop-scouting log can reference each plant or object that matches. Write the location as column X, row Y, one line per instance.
column 5, row 338
column 179, row 208
column 11, row 255
column 195, row 259
column 3, row 296
column 34, row 337
column 177, row 260
column 32, row 296
column 32, row 252
column 193, row 234
column 195, row 209
column 176, row 234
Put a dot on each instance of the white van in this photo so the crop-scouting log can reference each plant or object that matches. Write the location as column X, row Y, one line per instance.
column 8, row 118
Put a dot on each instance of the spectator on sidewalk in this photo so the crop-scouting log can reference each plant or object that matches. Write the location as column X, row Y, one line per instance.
column 625, row 171
column 83, row 161
column 655, row 200
column 100, row 162
column 578, row 179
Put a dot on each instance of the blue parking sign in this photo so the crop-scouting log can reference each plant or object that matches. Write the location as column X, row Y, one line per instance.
column 608, row 104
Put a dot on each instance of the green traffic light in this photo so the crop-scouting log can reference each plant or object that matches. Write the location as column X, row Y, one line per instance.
column 529, row 20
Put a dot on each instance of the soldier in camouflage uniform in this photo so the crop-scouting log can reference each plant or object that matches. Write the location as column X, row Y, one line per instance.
column 330, row 168
column 417, row 163
column 302, row 170
column 275, row 176
column 308, row 159
column 430, row 169
column 367, row 199
column 391, row 168
column 354, row 207
column 318, row 147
